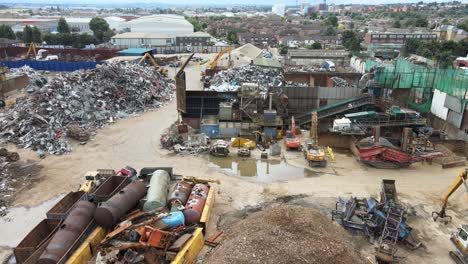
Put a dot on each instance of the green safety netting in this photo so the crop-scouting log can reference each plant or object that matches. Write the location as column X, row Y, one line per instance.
column 403, row 74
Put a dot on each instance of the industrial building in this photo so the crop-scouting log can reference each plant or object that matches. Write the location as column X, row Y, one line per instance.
column 172, row 25
column 193, row 39
column 142, row 39
column 316, row 57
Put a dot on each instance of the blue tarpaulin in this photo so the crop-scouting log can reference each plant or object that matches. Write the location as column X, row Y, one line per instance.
column 51, row 65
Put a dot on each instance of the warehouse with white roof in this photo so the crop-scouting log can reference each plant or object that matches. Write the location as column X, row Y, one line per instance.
column 161, row 24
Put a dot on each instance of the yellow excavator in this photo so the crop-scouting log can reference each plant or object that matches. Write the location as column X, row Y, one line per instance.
column 150, row 58
column 214, row 64
column 31, row 51
column 460, row 237
column 313, row 153
column 461, row 179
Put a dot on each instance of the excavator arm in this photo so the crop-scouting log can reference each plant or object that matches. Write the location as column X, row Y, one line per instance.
column 461, row 179
column 218, row 57
column 151, row 58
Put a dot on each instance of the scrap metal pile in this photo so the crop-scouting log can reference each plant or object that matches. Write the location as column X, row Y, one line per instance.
column 384, row 221
column 182, row 139
column 160, row 226
column 231, row 79
column 36, row 79
column 89, row 99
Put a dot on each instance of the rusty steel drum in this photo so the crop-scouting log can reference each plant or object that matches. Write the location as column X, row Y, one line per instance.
column 179, row 193
column 195, row 204
column 109, row 213
column 75, row 223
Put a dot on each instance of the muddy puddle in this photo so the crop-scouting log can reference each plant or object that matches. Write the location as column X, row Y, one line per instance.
column 261, row 170
column 20, row 220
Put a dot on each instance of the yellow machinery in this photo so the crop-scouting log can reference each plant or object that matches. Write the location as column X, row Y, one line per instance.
column 95, row 178
column 3, row 72
column 314, row 153
column 243, row 143
column 31, row 51
column 461, row 179
column 150, row 57
column 214, row 64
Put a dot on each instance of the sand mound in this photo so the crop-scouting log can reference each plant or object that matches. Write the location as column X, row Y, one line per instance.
column 285, row 234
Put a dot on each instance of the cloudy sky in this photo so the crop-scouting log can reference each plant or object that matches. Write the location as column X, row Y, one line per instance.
column 211, row 2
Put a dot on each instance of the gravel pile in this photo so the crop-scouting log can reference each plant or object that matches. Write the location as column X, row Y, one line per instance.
column 285, row 234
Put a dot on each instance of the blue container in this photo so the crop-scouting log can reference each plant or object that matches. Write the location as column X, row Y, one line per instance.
column 211, row 130
column 270, row 131
column 174, row 219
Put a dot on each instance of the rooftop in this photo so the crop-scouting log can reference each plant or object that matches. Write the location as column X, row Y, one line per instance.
column 140, row 35
column 196, row 34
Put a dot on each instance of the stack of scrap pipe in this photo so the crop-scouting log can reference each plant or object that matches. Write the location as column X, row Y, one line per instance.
column 231, row 79
column 89, row 99
column 153, row 224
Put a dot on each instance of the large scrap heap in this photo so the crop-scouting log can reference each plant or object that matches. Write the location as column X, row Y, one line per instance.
column 89, row 99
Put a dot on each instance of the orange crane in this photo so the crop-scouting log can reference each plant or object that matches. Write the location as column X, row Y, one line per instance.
column 214, row 64
column 291, row 140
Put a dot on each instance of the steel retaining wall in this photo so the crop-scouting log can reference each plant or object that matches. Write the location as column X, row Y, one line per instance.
column 51, row 65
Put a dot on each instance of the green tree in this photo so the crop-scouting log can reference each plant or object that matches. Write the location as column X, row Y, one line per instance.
column 316, row 45
column 313, row 16
column 63, row 26
column 27, row 34
column 463, row 25
column 100, row 29
column 232, row 37
column 36, row 35
column 397, row 24
column 411, row 47
column 7, row 32
column 331, row 21
column 330, row 31
column 351, row 41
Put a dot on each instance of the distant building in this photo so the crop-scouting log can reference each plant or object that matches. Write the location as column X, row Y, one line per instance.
column 161, row 24
column 396, row 38
column 278, row 9
column 79, row 24
column 194, row 39
column 43, row 24
column 448, row 32
column 142, row 40
column 257, row 39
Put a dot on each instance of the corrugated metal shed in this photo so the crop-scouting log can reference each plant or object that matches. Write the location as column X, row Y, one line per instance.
column 455, row 118
column 438, row 105
column 453, row 103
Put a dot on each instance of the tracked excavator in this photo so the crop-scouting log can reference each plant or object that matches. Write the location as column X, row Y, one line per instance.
column 460, row 237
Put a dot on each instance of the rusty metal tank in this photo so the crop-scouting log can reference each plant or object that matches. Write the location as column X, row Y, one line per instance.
column 196, row 202
column 157, row 191
column 109, row 213
column 75, row 223
column 179, row 194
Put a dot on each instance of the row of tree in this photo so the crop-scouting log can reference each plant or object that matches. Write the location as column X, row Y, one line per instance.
column 101, row 33
column 443, row 52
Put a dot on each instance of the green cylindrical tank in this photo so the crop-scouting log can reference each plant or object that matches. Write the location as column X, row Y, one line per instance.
column 157, row 191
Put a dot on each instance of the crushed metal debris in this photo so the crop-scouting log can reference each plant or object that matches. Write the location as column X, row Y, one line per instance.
column 89, row 99
column 231, row 79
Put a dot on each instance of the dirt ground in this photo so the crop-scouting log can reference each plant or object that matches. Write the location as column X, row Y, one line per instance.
column 135, row 142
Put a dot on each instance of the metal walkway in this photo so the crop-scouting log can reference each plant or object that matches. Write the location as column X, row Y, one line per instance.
column 336, row 108
column 393, row 123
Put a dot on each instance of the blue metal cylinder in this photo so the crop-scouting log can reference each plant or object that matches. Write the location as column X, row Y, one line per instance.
column 174, row 219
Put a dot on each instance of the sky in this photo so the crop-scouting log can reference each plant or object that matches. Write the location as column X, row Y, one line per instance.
column 212, row 2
